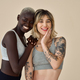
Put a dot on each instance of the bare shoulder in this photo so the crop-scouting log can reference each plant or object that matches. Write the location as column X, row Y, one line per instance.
column 9, row 34
column 8, row 37
column 60, row 45
column 60, row 39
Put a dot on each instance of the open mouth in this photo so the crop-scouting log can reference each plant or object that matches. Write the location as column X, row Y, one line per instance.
column 25, row 27
column 44, row 29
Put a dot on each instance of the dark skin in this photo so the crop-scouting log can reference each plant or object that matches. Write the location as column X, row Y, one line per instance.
column 14, row 66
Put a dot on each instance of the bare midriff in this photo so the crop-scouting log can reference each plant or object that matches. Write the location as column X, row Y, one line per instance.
column 47, row 74
column 6, row 68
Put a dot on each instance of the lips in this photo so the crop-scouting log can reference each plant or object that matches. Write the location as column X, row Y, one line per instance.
column 25, row 27
column 44, row 29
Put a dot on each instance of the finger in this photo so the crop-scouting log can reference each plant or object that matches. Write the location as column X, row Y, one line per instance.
column 29, row 38
column 35, row 40
column 34, row 44
column 49, row 32
column 31, row 42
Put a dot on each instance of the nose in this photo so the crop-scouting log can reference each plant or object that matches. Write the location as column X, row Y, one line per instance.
column 27, row 23
column 44, row 24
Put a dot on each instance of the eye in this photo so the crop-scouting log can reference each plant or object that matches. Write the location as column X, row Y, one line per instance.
column 41, row 21
column 31, row 22
column 48, row 21
column 24, row 20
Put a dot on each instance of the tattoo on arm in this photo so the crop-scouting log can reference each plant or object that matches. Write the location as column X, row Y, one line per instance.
column 47, row 56
column 28, row 74
column 60, row 47
column 27, row 66
column 52, row 55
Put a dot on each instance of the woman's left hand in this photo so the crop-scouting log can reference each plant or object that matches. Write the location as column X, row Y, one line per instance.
column 31, row 40
column 46, row 37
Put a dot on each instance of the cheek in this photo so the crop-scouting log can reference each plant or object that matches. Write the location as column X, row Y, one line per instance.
column 31, row 25
column 22, row 23
column 49, row 25
column 38, row 26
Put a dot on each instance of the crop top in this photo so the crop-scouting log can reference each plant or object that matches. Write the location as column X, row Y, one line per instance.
column 20, row 48
column 39, row 60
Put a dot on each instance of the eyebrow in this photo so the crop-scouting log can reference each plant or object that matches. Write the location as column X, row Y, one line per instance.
column 24, row 18
column 48, row 19
column 42, row 19
column 27, row 18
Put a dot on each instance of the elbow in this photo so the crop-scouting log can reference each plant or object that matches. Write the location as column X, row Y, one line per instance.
column 55, row 67
column 16, row 70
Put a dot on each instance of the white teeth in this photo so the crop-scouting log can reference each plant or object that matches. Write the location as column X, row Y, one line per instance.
column 44, row 29
column 25, row 27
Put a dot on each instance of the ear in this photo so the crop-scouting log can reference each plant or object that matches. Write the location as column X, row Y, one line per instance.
column 18, row 17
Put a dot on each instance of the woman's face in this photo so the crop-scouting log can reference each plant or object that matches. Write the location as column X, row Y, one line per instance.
column 43, row 25
column 25, row 21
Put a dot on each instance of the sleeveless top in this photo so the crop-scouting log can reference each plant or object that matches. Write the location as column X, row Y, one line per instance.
column 20, row 48
column 39, row 60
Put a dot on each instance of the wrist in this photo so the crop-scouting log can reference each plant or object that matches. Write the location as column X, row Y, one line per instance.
column 30, row 45
column 43, row 44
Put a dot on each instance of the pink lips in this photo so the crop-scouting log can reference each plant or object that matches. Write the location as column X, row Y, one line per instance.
column 44, row 29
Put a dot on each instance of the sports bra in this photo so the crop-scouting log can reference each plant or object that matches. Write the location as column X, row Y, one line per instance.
column 39, row 60
column 20, row 48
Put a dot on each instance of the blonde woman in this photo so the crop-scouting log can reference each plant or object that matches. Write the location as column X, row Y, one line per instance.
column 46, row 59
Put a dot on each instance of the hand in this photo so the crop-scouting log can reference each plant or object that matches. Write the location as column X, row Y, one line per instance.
column 32, row 41
column 46, row 37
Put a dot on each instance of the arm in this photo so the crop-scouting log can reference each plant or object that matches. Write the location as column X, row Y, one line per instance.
column 11, row 46
column 29, row 68
column 56, row 59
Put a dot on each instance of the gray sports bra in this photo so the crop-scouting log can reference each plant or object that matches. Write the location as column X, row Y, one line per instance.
column 39, row 60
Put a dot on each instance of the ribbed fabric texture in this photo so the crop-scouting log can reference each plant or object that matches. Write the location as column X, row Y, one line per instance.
column 20, row 48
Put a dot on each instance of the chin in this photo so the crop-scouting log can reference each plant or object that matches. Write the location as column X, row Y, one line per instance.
column 43, row 34
column 24, row 31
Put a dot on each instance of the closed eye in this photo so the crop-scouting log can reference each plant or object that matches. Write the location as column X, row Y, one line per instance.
column 25, row 20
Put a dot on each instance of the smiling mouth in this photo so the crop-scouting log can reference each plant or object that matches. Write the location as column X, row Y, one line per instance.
column 25, row 27
column 44, row 29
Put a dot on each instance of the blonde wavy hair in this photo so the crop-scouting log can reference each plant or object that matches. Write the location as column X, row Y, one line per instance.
column 38, row 14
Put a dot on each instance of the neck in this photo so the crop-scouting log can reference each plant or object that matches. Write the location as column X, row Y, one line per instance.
column 41, row 36
column 19, row 32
